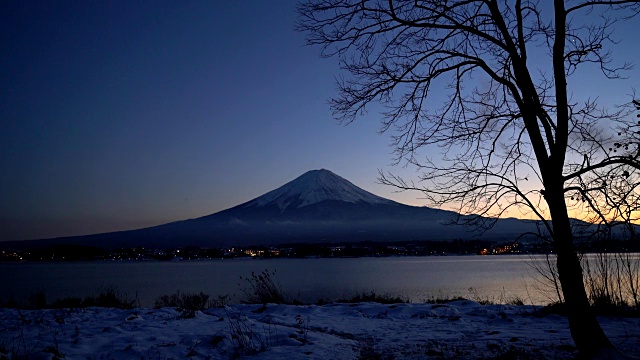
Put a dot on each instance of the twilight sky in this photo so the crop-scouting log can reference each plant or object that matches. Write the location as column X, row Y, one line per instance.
column 120, row 115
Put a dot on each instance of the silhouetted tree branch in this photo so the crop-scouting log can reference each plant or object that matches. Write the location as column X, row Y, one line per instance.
column 458, row 78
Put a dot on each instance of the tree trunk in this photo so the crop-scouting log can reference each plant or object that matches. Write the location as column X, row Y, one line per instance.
column 585, row 329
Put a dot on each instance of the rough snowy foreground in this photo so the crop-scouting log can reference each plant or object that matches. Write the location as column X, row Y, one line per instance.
column 457, row 330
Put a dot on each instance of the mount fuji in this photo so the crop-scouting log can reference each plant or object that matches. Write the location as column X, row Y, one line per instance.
column 318, row 206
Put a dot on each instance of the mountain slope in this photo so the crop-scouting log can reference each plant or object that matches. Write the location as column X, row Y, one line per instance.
column 318, row 206
column 317, row 196
column 314, row 187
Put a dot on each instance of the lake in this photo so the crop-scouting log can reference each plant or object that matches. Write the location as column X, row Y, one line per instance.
column 495, row 278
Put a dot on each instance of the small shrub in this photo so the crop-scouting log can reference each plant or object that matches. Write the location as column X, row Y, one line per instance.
column 195, row 301
column 516, row 301
column 442, row 300
column 220, row 302
column 323, row 301
column 373, row 297
column 111, row 298
column 602, row 309
column 172, row 300
column 183, row 301
column 302, row 323
column 557, row 308
column 476, row 297
column 187, row 303
column 263, row 288
column 244, row 339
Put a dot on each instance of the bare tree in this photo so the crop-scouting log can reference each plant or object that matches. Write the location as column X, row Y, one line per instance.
column 485, row 82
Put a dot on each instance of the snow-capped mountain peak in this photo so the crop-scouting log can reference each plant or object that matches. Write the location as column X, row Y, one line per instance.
column 313, row 187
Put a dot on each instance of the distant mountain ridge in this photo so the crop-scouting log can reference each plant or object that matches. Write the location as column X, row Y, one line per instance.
column 318, row 206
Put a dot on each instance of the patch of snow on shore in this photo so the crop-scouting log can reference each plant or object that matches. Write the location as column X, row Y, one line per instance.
column 457, row 330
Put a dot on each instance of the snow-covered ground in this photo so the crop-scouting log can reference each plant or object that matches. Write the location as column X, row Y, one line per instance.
column 457, row 330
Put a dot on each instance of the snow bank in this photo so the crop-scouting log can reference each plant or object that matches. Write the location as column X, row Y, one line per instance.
column 457, row 330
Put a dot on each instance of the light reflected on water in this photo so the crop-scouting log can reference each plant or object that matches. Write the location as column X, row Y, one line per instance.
column 495, row 278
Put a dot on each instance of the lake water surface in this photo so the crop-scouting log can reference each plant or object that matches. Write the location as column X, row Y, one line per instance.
column 496, row 278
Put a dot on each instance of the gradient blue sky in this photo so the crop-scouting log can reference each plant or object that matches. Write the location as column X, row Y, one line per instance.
column 120, row 115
